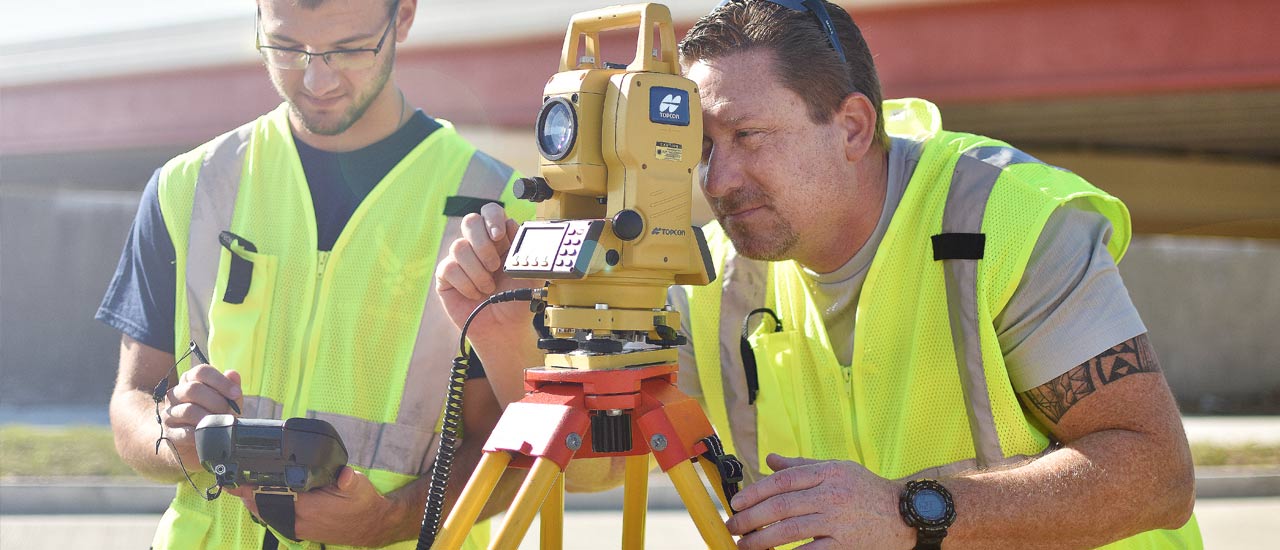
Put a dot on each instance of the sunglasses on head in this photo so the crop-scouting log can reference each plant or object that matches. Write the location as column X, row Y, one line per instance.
column 818, row 10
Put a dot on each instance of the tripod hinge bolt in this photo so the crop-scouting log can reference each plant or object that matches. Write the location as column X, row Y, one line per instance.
column 573, row 442
column 658, row 442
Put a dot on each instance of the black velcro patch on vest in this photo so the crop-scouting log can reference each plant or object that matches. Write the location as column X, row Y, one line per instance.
column 458, row 206
column 959, row 246
column 240, row 275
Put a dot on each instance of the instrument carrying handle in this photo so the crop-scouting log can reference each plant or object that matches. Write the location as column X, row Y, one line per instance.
column 660, row 59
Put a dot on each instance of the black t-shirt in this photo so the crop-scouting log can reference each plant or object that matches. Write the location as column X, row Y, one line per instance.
column 339, row 181
column 140, row 300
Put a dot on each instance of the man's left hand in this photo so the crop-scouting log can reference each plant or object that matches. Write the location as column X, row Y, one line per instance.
column 349, row 512
column 837, row 503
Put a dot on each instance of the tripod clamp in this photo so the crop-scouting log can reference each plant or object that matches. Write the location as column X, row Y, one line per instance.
column 729, row 466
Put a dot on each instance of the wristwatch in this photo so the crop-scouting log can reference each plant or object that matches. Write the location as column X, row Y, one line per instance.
column 927, row 507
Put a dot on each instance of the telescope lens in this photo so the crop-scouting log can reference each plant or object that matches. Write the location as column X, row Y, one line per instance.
column 557, row 129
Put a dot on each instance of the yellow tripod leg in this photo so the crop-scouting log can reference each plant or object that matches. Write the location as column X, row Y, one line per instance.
column 463, row 516
column 541, row 476
column 698, row 502
column 717, row 483
column 551, row 530
column 635, row 502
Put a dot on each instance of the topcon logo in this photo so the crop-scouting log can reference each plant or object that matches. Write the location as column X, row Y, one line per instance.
column 667, row 232
column 669, row 106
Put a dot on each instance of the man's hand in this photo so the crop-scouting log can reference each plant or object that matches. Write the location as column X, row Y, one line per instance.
column 473, row 271
column 201, row 391
column 837, row 503
column 501, row 334
column 349, row 512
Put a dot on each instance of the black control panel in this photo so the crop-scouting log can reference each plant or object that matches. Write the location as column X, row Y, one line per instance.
column 554, row 249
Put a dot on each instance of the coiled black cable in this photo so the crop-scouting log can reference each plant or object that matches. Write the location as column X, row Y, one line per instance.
column 452, row 423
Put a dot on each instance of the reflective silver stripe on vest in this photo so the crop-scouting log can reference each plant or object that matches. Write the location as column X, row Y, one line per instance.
column 257, row 406
column 401, row 448
column 369, row 444
column 437, row 341
column 481, row 172
column 217, row 185
column 975, row 176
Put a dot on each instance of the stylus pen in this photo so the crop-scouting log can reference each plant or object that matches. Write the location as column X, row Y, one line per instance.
column 200, row 355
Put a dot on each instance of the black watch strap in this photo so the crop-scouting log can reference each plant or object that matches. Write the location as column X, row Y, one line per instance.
column 926, row 540
column 275, row 507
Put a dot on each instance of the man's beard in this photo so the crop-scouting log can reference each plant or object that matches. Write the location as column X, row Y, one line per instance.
column 354, row 112
column 766, row 244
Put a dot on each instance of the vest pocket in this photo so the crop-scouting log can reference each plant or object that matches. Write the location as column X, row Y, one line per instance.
column 803, row 405
column 238, row 331
column 181, row 529
column 776, row 404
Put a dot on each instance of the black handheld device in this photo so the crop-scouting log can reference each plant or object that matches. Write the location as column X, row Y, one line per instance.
column 298, row 454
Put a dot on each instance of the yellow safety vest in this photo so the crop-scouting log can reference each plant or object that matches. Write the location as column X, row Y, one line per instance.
column 927, row 393
column 353, row 336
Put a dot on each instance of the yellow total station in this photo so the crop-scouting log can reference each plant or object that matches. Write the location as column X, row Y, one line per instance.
column 619, row 145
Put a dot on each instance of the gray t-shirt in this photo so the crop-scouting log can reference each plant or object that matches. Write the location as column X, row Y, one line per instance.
column 1070, row 305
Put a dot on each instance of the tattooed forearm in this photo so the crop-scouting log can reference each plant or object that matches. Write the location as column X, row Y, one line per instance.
column 1057, row 396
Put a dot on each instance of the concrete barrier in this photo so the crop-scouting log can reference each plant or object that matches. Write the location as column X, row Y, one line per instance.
column 58, row 249
column 1211, row 305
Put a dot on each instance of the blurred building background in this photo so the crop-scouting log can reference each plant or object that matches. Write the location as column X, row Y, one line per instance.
column 1172, row 105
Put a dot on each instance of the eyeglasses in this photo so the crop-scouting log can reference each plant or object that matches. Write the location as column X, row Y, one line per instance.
column 818, row 10
column 340, row 60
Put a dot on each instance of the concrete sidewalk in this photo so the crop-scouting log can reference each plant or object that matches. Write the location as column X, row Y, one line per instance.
column 1226, row 524
column 1232, row 430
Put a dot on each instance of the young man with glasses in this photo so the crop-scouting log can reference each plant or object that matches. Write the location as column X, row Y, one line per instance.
column 955, row 356
column 297, row 251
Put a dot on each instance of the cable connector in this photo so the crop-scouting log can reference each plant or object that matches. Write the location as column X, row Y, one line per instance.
column 517, row 295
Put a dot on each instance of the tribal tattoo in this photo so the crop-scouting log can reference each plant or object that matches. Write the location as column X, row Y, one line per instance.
column 1057, row 396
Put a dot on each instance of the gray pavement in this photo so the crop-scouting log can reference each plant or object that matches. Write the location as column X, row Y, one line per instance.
column 1234, row 505
column 1226, row 524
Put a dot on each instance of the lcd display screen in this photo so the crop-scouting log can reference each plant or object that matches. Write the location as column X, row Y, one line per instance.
column 541, row 241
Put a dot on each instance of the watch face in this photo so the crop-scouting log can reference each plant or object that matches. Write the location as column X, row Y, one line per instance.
column 930, row 505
